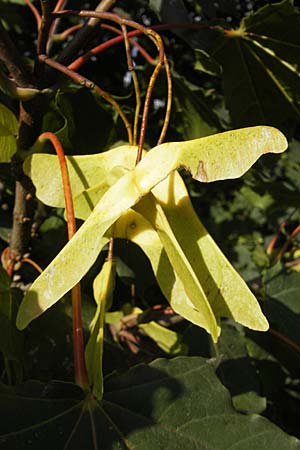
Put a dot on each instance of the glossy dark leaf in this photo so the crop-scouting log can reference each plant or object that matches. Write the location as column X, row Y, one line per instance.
column 174, row 404
column 257, row 61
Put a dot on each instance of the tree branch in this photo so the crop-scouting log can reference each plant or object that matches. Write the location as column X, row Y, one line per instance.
column 13, row 61
column 84, row 34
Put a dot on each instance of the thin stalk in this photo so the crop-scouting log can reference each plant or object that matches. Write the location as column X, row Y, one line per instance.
column 285, row 339
column 135, row 83
column 83, row 36
column 60, row 4
column 44, row 28
column 64, row 34
column 81, row 377
column 90, row 85
column 32, row 263
column 275, row 238
column 287, row 243
column 78, row 62
column 13, row 61
column 155, row 37
column 146, row 111
column 34, row 11
column 169, row 102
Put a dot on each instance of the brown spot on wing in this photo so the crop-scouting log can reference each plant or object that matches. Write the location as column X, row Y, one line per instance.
column 200, row 174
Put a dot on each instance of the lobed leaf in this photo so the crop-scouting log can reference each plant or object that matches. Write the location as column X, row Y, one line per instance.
column 174, row 404
column 258, row 62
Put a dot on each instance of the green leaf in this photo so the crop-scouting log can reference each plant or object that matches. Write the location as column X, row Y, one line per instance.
column 8, row 134
column 103, row 291
column 205, row 63
column 169, row 341
column 225, row 155
column 238, row 372
column 283, row 286
column 258, row 67
column 174, row 404
column 193, row 116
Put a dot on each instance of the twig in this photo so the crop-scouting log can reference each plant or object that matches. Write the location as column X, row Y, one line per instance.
column 81, row 376
column 51, row 35
column 64, row 34
column 44, row 27
column 13, row 60
column 92, row 86
column 159, row 45
column 83, row 36
column 135, row 83
column 77, row 63
column 146, row 111
column 32, row 263
column 96, row 50
column 287, row 243
column 60, row 4
column 285, row 339
column 273, row 241
column 121, row 21
column 169, row 102
column 34, row 11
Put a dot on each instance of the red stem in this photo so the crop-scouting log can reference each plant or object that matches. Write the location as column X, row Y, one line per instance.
column 92, row 86
column 81, row 377
column 64, row 34
column 285, row 339
column 77, row 63
column 287, row 243
column 275, row 239
column 32, row 263
column 34, row 11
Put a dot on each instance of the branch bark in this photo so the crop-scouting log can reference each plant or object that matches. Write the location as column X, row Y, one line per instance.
column 30, row 116
column 84, row 35
column 13, row 60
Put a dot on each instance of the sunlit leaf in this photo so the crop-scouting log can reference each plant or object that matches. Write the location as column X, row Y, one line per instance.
column 225, row 155
column 226, row 291
column 103, row 291
column 182, row 265
column 134, row 227
column 169, row 341
column 193, row 253
column 8, row 134
column 84, row 171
